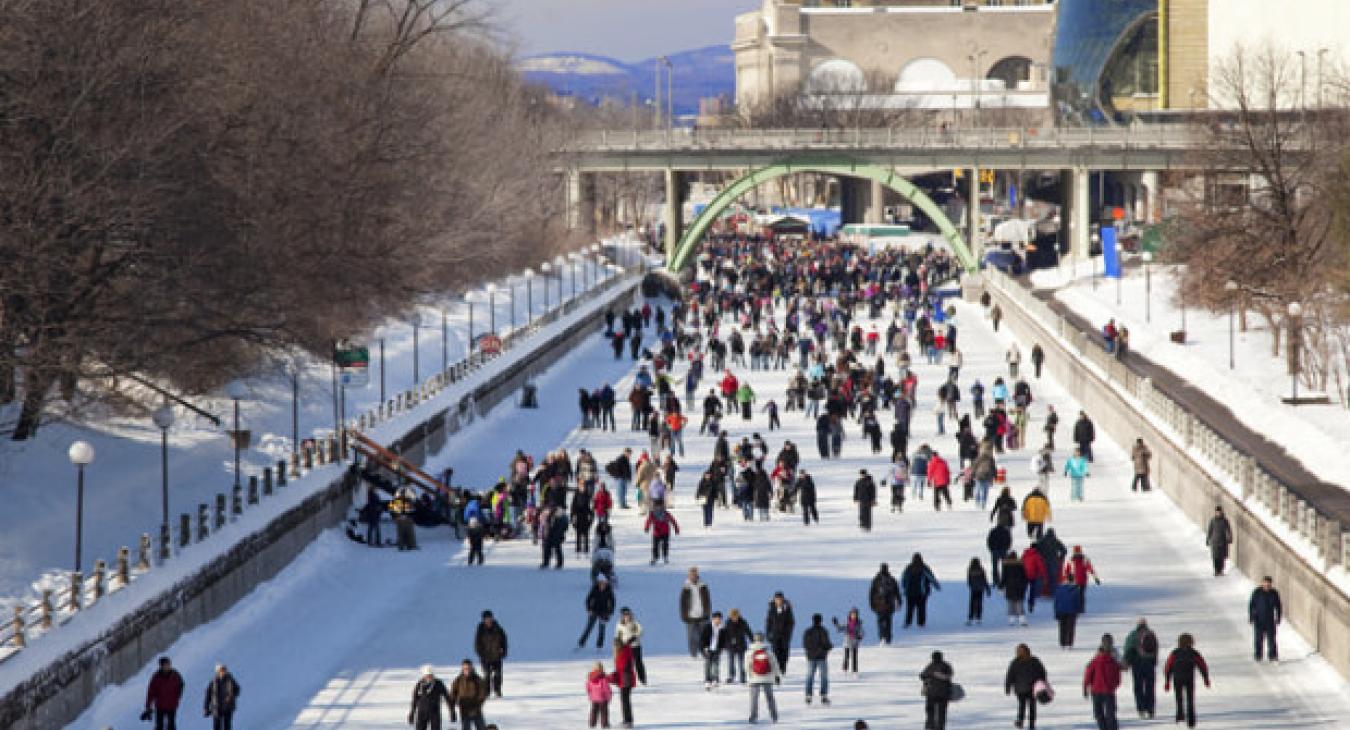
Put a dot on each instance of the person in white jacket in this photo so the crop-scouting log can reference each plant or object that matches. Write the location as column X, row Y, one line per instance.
column 629, row 631
column 762, row 668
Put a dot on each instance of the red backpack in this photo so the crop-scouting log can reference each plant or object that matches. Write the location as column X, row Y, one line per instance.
column 759, row 663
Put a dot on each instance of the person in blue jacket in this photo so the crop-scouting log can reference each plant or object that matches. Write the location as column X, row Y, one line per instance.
column 1067, row 608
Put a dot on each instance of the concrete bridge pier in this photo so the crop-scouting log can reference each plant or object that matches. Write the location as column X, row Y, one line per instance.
column 580, row 201
column 861, row 200
column 1076, row 214
column 677, row 191
column 973, row 215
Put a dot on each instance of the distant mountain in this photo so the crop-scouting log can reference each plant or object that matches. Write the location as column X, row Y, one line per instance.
column 699, row 73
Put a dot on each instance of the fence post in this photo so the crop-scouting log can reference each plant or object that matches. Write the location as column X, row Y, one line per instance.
column 184, row 530
column 46, row 607
column 253, row 489
column 308, row 458
column 281, row 472
column 295, row 465
column 20, row 641
column 100, row 574
column 123, row 565
column 267, row 481
column 202, row 519
column 76, row 588
column 220, row 511
column 236, row 502
column 143, row 559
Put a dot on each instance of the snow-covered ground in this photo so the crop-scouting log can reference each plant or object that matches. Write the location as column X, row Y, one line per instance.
column 336, row 639
column 1314, row 434
column 122, row 488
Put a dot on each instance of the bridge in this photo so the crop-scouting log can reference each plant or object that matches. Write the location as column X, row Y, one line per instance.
column 868, row 161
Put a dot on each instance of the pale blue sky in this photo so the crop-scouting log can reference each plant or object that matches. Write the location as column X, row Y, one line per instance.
column 628, row 30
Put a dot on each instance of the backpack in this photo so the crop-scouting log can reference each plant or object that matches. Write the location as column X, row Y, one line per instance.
column 759, row 663
column 1148, row 644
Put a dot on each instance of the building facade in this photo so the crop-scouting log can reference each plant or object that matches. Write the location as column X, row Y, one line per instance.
column 923, row 54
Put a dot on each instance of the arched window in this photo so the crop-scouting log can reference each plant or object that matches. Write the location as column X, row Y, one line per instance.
column 836, row 76
column 926, row 74
column 1011, row 70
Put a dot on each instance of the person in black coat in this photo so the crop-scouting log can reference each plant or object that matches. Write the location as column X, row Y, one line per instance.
column 489, row 643
column 1024, row 671
column 999, row 542
column 1084, row 433
column 582, row 519
column 555, row 534
column 884, row 599
column 370, row 516
column 937, row 692
column 736, row 641
column 865, row 494
column 599, row 609
column 978, row 583
column 816, row 644
column 1265, row 612
column 806, row 496
column 222, row 694
column 917, row 582
column 427, row 696
column 824, row 426
column 778, row 626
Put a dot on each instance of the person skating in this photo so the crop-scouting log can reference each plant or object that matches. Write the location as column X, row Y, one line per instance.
column 999, row 542
column 917, row 582
column 476, row 533
column 712, row 642
column 1077, row 570
column 745, row 397
column 489, row 643
column 1140, row 457
column 621, row 470
column 884, row 598
column 582, row 519
column 468, row 693
column 979, row 586
column 1037, row 359
column 899, row 479
column 778, row 625
column 599, row 609
column 1014, row 585
column 1101, row 678
column 852, row 629
column 1264, row 612
column 1180, row 669
column 629, row 631
column 1218, row 536
column 939, row 479
column 865, row 496
column 937, row 692
column 1068, row 604
column 599, row 694
column 1025, row 673
column 625, row 678
column 695, row 608
column 738, row 637
column 1051, row 425
column 1037, row 577
column 163, row 695
column 763, row 672
column 1035, row 512
column 1084, row 433
column 659, row 525
column 427, row 696
column 816, row 644
column 806, row 497
column 1141, row 656
column 222, row 697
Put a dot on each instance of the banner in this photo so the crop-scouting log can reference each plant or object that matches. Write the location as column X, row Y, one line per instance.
column 1111, row 252
column 353, row 363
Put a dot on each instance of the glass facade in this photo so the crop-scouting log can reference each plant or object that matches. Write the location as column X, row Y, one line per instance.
column 1105, row 51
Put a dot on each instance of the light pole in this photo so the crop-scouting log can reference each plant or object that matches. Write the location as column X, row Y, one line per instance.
column 492, row 307
column 416, row 321
column 572, row 271
column 512, row 281
column 445, row 342
column 1295, row 334
column 81, row 455
column 163, row 418
column 595, row 264
column 546, row 267
column 529, row 296
column 1148, row 286
column 236, row 391
column 382, row 370
column 1231, row 287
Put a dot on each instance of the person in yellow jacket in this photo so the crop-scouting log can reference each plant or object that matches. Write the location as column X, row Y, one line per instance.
column 1035, row 512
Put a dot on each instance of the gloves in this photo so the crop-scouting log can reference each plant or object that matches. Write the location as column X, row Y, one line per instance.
column 145, row 716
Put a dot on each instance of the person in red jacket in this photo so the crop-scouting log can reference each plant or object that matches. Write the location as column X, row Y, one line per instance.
column 659, row 524
column 1034, row 565
column 1100, row 681
column 625, row 677
column 602, row 504
column 1077, row 569
column 162, row 696
column 729, row 387
column 939, row 477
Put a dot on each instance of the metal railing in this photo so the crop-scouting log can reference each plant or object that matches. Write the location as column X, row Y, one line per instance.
column 1322, row 531
column 1144, row 136
column 31, row 619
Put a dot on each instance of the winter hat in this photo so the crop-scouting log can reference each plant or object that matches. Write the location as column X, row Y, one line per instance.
column 427, row 671
column 487, row 614
column 937, row 656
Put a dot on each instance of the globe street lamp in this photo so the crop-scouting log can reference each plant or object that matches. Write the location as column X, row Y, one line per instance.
column 1231, row 287
column 529, row 296
column 163, row 418
column 236, row 391
column 81, row 455
column 492, row 307
column 511, row 281
column 546, row 267
column 1148, row 286
column 469, row 301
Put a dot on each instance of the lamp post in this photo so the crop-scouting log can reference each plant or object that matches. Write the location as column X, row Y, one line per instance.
column 572, row 271
column 415, row 319
column 1148, row 286
column 512, row 281
column 163, row 418
column 1231, row 287
column 595, row 264
column 546, row 267
column 81, row 455
column 529, row 296
column 236, row 391
column 469, row 301
column 1295, row 333
column 381, row 369
column 1096, row 240
column 445, row 342
column 492, row 307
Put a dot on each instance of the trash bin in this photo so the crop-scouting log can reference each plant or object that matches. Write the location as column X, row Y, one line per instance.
column 529, row 396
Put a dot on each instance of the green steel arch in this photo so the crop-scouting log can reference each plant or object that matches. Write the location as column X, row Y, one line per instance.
column 684, row 250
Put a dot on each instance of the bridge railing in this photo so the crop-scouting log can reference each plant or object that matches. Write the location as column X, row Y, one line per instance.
column 1147, row 136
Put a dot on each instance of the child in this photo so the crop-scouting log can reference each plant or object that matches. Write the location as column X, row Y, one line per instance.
column 599, row 693
column 899, row 478
column 979, row 586
column 852, row 629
